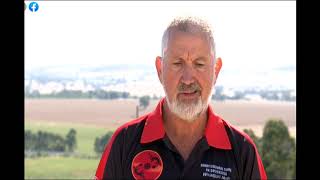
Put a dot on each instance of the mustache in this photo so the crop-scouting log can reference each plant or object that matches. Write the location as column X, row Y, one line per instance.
column 184, row 88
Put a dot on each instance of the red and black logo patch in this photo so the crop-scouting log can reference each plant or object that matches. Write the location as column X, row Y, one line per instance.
column 147, row 165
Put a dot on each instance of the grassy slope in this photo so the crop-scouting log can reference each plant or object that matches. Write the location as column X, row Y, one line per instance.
column 60, row 168
column 85, row 134
column 65, row 167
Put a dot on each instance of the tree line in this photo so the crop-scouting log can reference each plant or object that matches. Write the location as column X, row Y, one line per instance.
column 71, row 94
column 277, row 150
column 282, row 95
column 102, row 94
column 50, row 142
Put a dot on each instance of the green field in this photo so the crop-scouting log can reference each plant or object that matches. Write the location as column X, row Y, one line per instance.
column 60, row 168
column 85, row 134
column 65, row 167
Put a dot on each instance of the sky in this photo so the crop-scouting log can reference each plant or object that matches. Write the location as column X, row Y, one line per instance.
column 253, row 38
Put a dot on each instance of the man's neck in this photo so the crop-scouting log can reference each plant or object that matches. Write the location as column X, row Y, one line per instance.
column 183, row 134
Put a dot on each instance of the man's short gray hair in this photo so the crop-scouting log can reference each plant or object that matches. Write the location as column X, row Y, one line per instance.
column 190, row 24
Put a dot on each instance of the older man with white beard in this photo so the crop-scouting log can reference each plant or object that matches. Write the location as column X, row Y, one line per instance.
column 182, row 138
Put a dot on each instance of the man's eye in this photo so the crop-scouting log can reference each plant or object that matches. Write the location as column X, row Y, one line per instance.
column 177, row 63
column 199, row 64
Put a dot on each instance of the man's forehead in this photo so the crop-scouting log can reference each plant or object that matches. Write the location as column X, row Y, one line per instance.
column 190, row 56
column 191, row 49
column 179, row 41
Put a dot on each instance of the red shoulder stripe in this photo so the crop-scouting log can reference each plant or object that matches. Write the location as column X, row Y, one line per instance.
column 105, row 155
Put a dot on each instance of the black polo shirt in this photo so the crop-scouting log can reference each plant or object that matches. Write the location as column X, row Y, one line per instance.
column 140, row 149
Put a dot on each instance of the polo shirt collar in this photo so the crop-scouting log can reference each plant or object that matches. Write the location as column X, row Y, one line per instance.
column 215, row 131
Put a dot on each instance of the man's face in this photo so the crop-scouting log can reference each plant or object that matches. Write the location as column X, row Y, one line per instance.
column 187, row 74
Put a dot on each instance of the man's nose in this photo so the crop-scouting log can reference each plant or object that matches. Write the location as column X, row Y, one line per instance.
column 187, row 75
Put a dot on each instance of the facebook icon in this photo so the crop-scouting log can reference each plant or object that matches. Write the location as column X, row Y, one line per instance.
column 33, row 7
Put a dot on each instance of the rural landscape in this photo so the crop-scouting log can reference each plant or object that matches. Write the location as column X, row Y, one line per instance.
column 71, row 112
column 90, row 68
column 94, row 118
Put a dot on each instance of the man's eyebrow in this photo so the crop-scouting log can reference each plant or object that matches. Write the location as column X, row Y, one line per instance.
column 174, row 55
column 177, row 58
column 201, row 58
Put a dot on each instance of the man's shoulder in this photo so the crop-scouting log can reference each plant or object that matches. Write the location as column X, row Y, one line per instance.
column 133, row 122
column 134, row 126
column 237, row 134
column 241, row 142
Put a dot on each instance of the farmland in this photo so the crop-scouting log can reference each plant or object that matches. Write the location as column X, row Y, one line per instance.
column 112, row 113
column 93, row 118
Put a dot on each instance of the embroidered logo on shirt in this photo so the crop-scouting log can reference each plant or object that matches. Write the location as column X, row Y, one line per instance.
column 147, row 165
column 215, row 171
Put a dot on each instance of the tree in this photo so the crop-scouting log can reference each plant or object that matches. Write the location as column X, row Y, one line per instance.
column 35, row 94
column 155, row 97
column 144, row 101
column 100, row 143
column 49, row 142
column 125, row 95
column 256, row 139
column 42, row 143
column 55, row 143
column 113, row 94
column 101, row 94
column 278, row 150
column 218, row 94
column 30, row 140
column 71, row 140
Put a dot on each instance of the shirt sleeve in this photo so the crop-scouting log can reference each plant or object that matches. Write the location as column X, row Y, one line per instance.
column 253, row 167
column 110, row 163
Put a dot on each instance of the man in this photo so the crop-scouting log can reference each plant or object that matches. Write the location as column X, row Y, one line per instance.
column 182, row 138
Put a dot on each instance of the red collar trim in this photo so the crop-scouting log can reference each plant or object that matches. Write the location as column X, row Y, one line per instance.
column 215, row 131
column 153, row 128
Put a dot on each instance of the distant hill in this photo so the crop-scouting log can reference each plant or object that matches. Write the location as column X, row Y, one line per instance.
column 141, row 79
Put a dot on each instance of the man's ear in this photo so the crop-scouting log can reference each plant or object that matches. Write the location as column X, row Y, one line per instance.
column 158, row 64
column 217, row 68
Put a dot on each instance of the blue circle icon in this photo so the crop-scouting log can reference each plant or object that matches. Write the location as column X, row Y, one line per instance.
column 33, row 7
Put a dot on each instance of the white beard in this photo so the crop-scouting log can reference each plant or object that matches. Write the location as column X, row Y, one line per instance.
column 188, row 111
